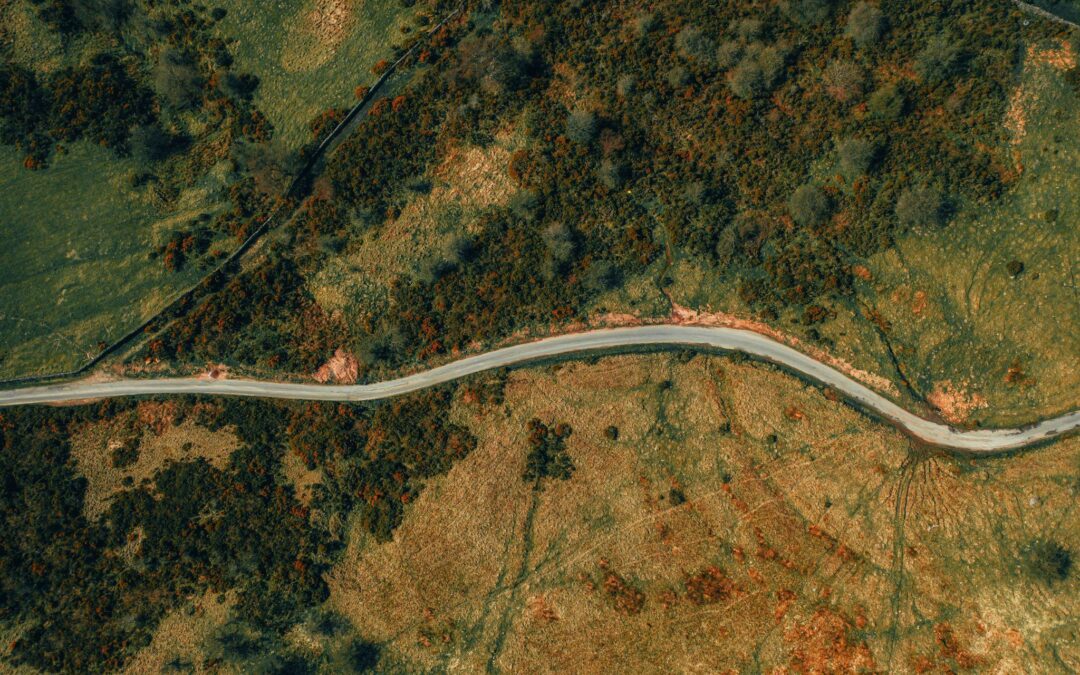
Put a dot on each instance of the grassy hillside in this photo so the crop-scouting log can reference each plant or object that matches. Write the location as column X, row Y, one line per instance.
column 75, row 267
column 310, row 55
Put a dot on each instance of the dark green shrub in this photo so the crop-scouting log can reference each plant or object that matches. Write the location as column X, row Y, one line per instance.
column 808, row 205
column 865, row 24
column 856, row 156
column 920, row 206
column 938, row 59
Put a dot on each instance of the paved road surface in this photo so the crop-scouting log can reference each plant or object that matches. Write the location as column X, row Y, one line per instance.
column 983, row 441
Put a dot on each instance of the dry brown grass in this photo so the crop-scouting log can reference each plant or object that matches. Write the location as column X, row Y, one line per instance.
column 91, row 448
column 467, row 180
column 182, row 634
column 316, row 33
column 788, row 536
column 300, row 477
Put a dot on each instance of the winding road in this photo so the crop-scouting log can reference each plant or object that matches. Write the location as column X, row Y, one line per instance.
column 981, row 441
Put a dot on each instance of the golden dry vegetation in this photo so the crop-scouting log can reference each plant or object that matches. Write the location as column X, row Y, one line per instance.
column 150, row 428
column 468, row 180
column 182, row 634
column 742, row 520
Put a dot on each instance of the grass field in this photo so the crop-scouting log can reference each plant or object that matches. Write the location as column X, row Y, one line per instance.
column 740, row 522
column 309, row 55
column 74, row 257
column 958, row 313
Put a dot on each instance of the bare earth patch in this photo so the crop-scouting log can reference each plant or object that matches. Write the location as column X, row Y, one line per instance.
column 953, row 402
column 342, row 368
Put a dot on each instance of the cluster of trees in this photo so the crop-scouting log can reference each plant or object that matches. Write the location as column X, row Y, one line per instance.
column 82, row 607
column 782, row 145
column 375, row 459
column 101, row 102
column 547, row 456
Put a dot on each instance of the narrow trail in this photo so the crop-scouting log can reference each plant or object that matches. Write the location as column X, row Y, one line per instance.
column 976, row 442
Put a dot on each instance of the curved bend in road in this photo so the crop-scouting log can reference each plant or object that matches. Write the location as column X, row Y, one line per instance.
column 983, row 441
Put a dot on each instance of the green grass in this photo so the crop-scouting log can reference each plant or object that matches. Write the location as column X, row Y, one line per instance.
column 300, row 74
column 978, row 318
column 74, row 264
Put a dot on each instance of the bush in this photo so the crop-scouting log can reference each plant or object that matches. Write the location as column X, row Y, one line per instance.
column 938, row 59
column 887, row 103
column 844, row 80
column 626, row 85
column 747, row 80
column 728, row 53
column 856, row 156
column 1046, row 561
column 692, row 44
column 176, row 79
column 808, row 205
column 581, row 126
column 919, row 206
column 865, row 24
column 807, row 12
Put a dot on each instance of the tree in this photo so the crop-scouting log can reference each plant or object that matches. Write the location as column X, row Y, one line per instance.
column 748, row 28
column 561, row 246
column 747, row 80
column 844, row 80
column 612, row 174
column 808, row 205
column 728, row 53
column 1046, row 561
column 694, row 45
column 938, row 59
column 887, row 103
column 603, row 275
column 856, row 156
column 919, row 206
column 807, row 12
column 176, row 80
column 626, row 85
column 865, row 24
column 581, row 126
column 150, row 144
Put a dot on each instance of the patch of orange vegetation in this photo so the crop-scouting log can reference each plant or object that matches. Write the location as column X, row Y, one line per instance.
column 953, row 402
column 692, row 317
column 822, row 645
column 541, row 609
column 342, row 368
column 1024, row 98
column 1062, row 58
column 214, row 372
column 156, row 416
column 613, row 319
column 918, row 303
